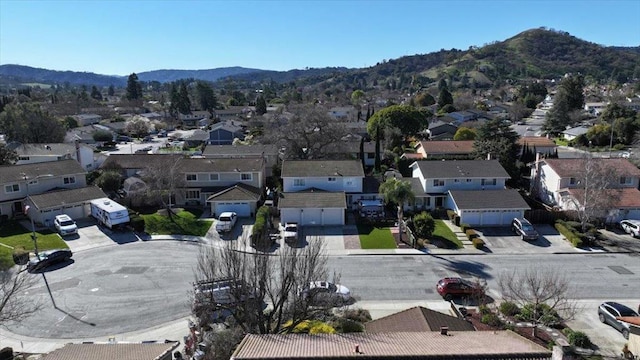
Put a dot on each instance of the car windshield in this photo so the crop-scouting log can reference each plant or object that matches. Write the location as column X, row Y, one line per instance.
column 527, row 227
column 66, row 223
column 625, row 311
column 290, row 228
column 332, row 287
column 225, row 218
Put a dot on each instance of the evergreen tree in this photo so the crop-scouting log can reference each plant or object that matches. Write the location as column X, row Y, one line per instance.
column 377, row 164
column 444, row 98
column 184, row 104
column 95, row 93
column 572, row 88
column 261, row 105
column 368, row 112
column 362, row 156
column 442, row 84
column 557, row 119
column 495, row 139
column 206, row 97
column 134, row 89
column 111, row 90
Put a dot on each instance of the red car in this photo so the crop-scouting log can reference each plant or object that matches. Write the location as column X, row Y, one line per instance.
column 451, row 287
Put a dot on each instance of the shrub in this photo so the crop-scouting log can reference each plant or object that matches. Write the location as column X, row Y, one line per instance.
column 477, row 242
column 571, row 236
column 20, row 255
column 491, row 320
column 464, row 227
column 137, row 222
column 544, row 314
column 451, row 214
column 424, row 225
column 484, row 309
column 579, row 339
column 422, row 243
column 347, row 326
column 359, row 315
column 471, row 234
column 509, row 308
column 456, row 220
column 262, row 220
column 510, row 327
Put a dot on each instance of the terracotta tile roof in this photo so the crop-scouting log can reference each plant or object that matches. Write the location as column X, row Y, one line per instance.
column 68, row 197
column 417, row 319
column 567, row 168
column 626, row 197
column 319, row 168
column 536, row 141
column 439, row 147
column 633, row 320
column 120, row 351
column 488, row 199
column 13, row 173
column 399, row 345
column 312, row 198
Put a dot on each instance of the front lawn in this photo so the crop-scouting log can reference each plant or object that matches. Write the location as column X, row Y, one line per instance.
column 375, row 237
column 443, row 233
column 15, row 235
column 185, row 222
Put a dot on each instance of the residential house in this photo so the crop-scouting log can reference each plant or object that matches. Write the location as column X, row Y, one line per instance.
column 632, row 103
column 21, row 182
column 343, row 113
column 153, row 116
column 474, row 189
column 634, row 334
column 445, row 149
column 115, row 351
column 538, row 144
column 39, row 153
column 573, row 133
column 199, row 137
column 87, row 119
column 441, row 130
column 560, row 182
column 233, row 113
column 427, row 345
column 84, row 134
column 224, row 184
column 417, row 318
column 194, row 120
column 462, row 116
column 595, row 108
column 350, row 149
column 269, row 152
column 318, row 192
column 356, row 128
column 223, row 133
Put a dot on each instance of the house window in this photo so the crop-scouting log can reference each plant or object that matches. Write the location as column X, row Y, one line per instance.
column 214, row 177
column 572, row 181
column 488, row 182
column 192, row 194
column 246, row 177
column 69, row 180
column 469, row 180
column 437, row 182
column 625, row 180
column 11, row 188
column 348, row 182
column 332, row 179
column 298, row 182
column 192, row 177
column 371, row 155
column 23, row 158
column 456, row 180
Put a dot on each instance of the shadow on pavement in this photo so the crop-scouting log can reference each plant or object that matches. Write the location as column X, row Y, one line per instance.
column 472, row 268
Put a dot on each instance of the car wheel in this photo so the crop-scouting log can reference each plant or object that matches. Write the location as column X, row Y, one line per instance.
column 625, row 333
column 602, row 319
column 448, row 297
column 522, row 237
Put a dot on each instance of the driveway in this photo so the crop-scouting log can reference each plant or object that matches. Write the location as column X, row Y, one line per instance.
column 501, row 240
column 618, row 240
column 90, row 235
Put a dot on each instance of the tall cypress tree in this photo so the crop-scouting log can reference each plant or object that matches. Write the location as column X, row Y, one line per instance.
column 377, row 165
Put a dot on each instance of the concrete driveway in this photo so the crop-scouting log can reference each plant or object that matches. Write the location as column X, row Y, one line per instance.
column 501, row 240
column 618, row 240
column 91, row 235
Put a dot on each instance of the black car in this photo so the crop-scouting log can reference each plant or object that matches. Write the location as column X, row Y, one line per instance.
column 524, row 229
column 48, row 258
column 609, row 311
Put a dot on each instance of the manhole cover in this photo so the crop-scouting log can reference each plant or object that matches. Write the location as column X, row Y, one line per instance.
column 621, row 270
column 132, row 270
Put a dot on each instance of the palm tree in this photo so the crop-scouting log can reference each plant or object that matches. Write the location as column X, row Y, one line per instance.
column 398, row 192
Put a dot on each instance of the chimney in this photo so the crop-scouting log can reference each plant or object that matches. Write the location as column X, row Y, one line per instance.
column 357, row 349
column 444, row 330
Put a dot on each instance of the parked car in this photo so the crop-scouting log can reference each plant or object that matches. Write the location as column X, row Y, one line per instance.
column 144, row 150
column 524, row 229
column 65, row 225
column 631, row 227
column 451, row 287
column 48, row 258
column 609, row 311
column 226, row 221
column 290, row 232
column 324, row 293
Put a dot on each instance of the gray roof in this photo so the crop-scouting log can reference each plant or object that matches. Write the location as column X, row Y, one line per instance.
column 466, row 169
column 118, row 351
column 313, row 198
column 488, row 199
column 238, row 192
column 195, row 165
column 137, row 161
column 198, row 135
column 416, row 185
column 46, row 149
column 417, row 319
column 13, row 173
column 226, row 150
column 321, row 168
column 576, row 131
column 73, row 196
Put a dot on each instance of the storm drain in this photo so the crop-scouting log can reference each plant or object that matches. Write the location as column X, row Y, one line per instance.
column 132, row 270
column 621, row 270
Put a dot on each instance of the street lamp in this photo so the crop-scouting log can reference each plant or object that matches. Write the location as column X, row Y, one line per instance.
column 33, row 227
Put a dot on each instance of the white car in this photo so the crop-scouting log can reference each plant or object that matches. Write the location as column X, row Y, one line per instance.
column 226, row 221
column 290, row 232
column 631, row 227
column 326, row 293
column 65, row 225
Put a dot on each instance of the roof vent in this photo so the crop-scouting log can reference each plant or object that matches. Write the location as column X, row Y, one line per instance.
column 444, row 330
column 106, row 202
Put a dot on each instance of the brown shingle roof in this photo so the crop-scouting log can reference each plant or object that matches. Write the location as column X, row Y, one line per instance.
column 112, row 351
column 400, row 345
column 137, row 161
column 417, row 319
column 12, row 173
column 439, row 147
column 626, row 197
column 68, row 197
column 312, row 198
column 319, row 168
column 536, row 141
column 567, row 168
column 194, row 165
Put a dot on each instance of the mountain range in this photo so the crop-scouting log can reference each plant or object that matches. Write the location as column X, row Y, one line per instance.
column 535, row 53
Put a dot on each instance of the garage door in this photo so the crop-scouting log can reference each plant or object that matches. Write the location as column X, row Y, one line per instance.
column 242, row 209
column 470, row 217
column 491, row 218
column 75, row 212
column 311, row 217
column 333, row 217
column 508, row 216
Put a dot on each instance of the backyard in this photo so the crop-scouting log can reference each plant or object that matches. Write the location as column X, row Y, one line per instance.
column 15, row 235
column 184, row 221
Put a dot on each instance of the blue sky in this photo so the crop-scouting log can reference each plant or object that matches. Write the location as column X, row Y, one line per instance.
column 120, row 37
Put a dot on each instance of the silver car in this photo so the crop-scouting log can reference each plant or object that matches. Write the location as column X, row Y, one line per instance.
column 631, row 227
column 609, row 311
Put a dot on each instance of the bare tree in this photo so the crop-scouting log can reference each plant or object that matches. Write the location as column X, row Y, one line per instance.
column 138, row 126
column 307, row 132
column 165, row 179
column 543, row 292
column 253, row 277
column 13, row 306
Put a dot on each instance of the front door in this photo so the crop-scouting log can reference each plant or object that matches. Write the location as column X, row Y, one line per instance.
column 439, row 201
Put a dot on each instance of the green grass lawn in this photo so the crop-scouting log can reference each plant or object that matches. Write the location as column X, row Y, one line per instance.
column 561, row 142
column 185, row 222
column 375, row 237
column 15, row 235
column 443, row 233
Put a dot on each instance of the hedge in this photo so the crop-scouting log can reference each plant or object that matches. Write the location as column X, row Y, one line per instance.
column 262, row 221
column 571, row 236
column 451, row 214
column 464, row 227
column 477, row 242
column 471, row 234
column 456, row 220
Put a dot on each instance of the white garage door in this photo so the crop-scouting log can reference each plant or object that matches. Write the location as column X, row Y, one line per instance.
column 333, row 217
column 470, row 217
column 311, row 217
column 242, row 209
column 491, row 218
column 75, row 211
column 509, row 215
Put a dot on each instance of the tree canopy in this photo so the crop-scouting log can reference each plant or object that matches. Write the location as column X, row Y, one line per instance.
column 206, row 96
column 496, row 139
column 464, row 133
column 409, row 120
column 29, row 124
column 7, row 156
column 134, row 89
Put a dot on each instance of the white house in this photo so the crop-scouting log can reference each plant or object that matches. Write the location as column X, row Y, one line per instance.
column 39, row 153
column 87, row 119
column 318, row 192
column 573, row 133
